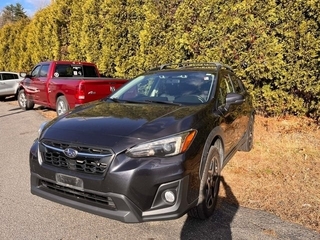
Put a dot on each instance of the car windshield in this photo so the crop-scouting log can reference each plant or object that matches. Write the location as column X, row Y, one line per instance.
column 181, row 87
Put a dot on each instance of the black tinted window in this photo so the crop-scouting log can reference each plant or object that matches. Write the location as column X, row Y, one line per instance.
column 63, row 70
column 90, row 71
column 7, row 76
column 67, row 70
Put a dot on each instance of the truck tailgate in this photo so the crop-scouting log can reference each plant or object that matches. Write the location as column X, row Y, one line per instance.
column 94, row 89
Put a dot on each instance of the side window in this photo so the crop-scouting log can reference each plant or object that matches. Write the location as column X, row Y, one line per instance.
column 237, row 84
column 63, row 70
column 9, row 76
column 35, row 71
column 89, row 71
column 44, row 70
column 225, row 87
column 77, row 70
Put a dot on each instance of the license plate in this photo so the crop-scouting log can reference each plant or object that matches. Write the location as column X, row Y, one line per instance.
column 69, row 181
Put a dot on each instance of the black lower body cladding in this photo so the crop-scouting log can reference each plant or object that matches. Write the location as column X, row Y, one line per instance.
column 131, row 190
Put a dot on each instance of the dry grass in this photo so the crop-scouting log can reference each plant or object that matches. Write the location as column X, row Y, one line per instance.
column 281, row 174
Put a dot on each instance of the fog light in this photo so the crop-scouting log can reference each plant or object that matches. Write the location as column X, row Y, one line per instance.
column 169, row 196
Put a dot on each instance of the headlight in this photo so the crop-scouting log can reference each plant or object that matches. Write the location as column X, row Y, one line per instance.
column 164, row 147
column 41, row 128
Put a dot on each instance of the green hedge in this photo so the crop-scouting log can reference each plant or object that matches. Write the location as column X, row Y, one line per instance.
column 272, row 45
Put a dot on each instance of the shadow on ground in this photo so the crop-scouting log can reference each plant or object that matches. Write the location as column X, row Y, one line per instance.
column 219, row 225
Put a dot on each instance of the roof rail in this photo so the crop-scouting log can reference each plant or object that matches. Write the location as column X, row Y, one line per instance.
column 194, row 64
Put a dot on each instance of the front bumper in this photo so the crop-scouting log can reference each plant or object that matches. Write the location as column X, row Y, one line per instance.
column 127, row 195
column 121, row 208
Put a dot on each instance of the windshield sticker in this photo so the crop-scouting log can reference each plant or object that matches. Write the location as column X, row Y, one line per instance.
column 56, row 74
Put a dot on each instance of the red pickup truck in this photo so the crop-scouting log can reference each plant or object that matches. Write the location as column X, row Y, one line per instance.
column 63, row 85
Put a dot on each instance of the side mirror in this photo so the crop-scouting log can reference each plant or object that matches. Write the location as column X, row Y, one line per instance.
column 23, row 74
column 234, row 98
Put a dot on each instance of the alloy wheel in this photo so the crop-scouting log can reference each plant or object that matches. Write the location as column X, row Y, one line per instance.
column 22, row 99
column 211, row 188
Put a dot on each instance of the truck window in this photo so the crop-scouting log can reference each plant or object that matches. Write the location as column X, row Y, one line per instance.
column 35, row 71
column 63, row 70
column 89, row 71
column 67, row 70
column 44, row 70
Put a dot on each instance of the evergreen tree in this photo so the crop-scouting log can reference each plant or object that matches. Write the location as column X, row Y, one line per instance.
column 157, row 36
column 12, row 13
column 76, row 52
column 273, row 45
column 90, row 43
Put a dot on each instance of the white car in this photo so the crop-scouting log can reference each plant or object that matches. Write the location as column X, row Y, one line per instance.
column 9, row 84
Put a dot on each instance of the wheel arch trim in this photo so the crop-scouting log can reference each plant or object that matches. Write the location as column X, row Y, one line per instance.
column 215, row 136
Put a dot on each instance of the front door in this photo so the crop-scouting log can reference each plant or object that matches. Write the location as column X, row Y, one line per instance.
column 38, row 84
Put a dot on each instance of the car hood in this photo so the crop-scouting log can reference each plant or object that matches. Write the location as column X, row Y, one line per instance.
column 120, row 125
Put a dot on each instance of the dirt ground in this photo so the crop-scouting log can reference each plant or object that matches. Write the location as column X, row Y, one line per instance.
column 280, row 175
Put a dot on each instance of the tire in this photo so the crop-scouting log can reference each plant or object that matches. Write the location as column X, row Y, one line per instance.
column 2, row 98
column 248, row 144
column 16, row 95
column 62, row 105
column 209, row 186
column 24, row 102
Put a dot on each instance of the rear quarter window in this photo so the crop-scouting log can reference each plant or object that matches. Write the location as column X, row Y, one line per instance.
column 9, row 76
column 90, row 71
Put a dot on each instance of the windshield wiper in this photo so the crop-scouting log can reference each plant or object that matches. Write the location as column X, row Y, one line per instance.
column 163, row 102
column 114, row 99
column 117, row 100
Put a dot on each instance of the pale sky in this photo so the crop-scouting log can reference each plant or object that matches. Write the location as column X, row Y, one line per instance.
column 29, row 6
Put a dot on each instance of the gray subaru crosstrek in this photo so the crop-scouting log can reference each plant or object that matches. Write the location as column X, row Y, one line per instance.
column 152, row 150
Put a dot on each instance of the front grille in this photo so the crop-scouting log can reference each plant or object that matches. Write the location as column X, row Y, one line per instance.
column 94, row 198
column 87, row 159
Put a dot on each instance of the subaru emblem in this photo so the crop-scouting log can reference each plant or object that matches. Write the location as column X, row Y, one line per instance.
column 70, row 153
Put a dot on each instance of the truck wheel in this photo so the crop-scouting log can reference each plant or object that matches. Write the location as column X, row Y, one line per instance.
column 24, row 102
column 209, row 186
column 248, row 144
column 62, row 105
